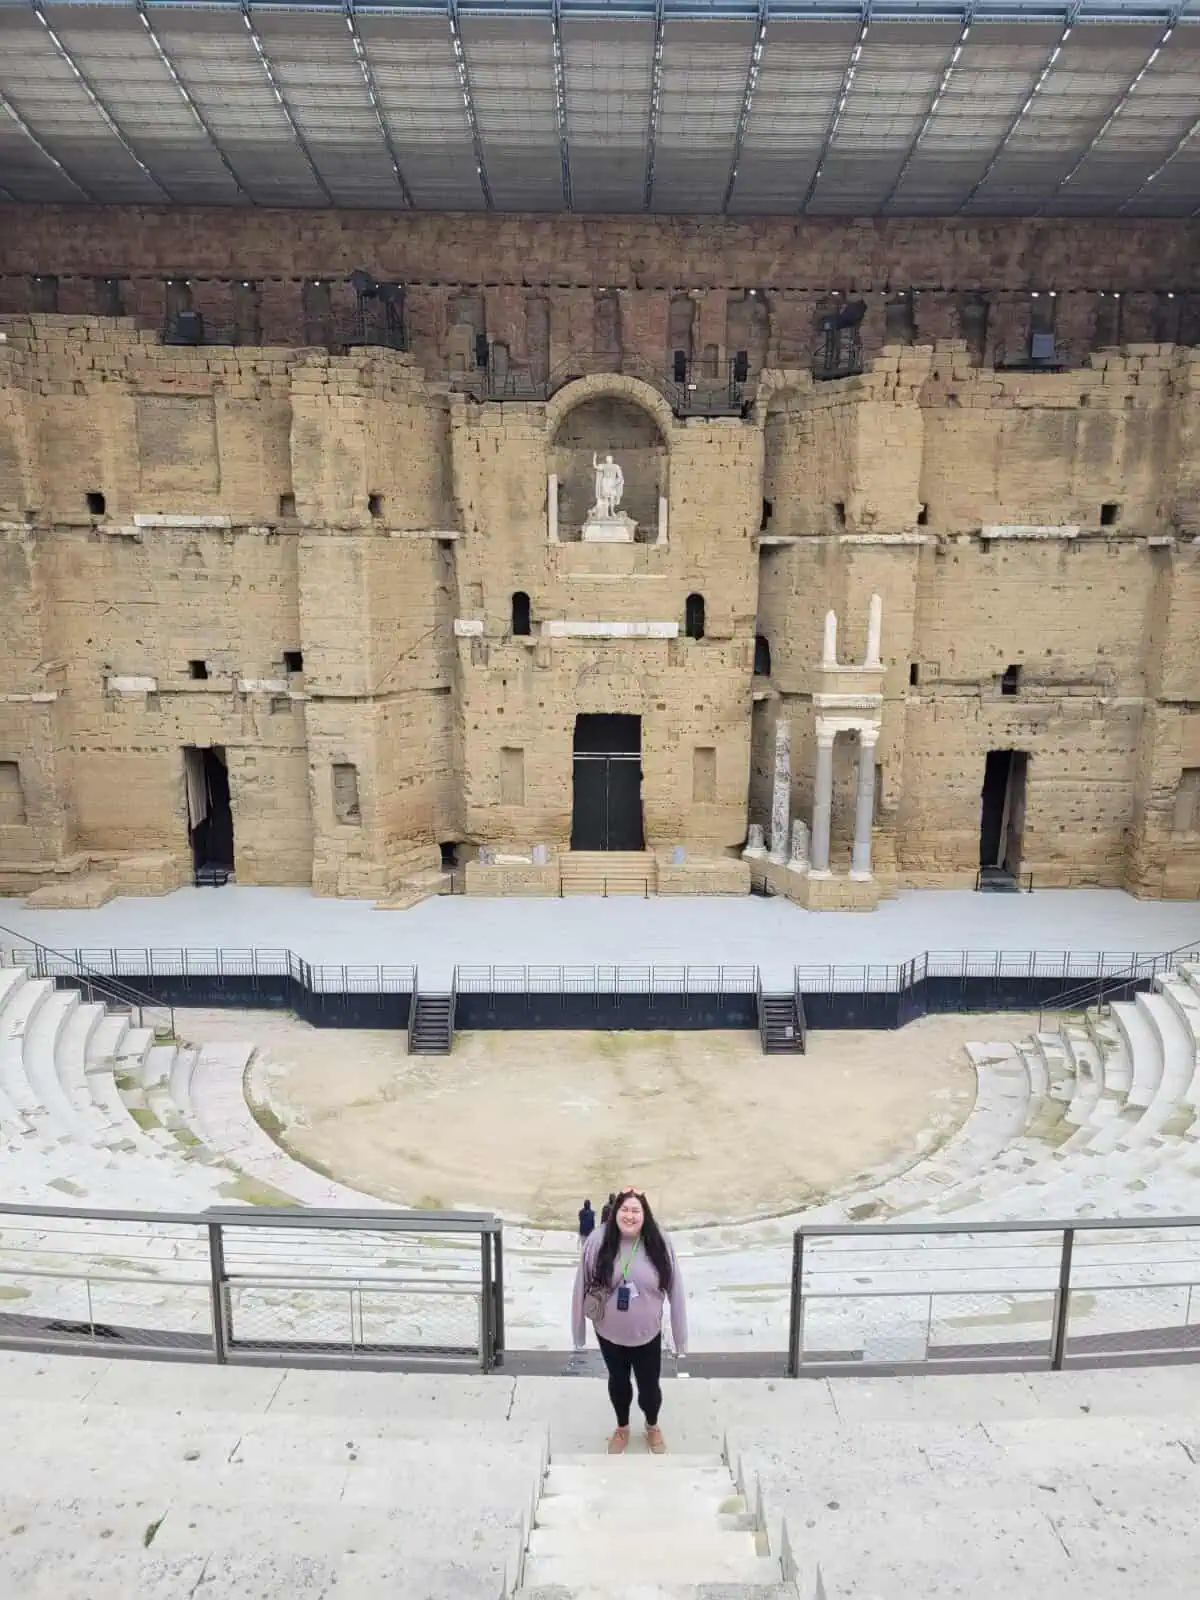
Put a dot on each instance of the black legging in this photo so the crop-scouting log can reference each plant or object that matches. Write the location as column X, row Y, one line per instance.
column 645, row 1363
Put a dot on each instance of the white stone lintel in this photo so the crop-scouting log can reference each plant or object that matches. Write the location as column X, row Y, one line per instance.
column 870, row 703
column 38, row 697
column 827, row 727
column 424, row 533
column 1022, row 530
column 610, row 630
column 468, row 627
column 909, row 537
column 262, row 686
column 131, row 685
column 154, row 519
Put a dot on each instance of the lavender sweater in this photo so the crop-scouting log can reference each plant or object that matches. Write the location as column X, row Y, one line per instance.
column 643, row 1320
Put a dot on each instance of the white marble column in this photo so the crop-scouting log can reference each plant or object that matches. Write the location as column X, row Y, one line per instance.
column 874, row 632
column 781, row 795
column 829, row 643
column 864, row 805
column 822, row 800
column 662, row 520
column 552, row 508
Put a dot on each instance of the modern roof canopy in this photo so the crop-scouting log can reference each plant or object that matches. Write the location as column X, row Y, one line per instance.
column 660, row 106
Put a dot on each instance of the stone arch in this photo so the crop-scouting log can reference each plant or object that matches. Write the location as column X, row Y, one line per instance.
column 609, row 413
column 617, row 384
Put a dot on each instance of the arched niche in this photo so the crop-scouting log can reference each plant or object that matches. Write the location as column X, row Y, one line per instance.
column 602, row 423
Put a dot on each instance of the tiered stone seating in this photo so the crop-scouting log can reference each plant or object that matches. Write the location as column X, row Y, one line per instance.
column 1096, row 1119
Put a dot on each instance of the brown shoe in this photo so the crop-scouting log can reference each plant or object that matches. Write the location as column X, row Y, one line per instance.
column 619, row 1442
column 655, row 1442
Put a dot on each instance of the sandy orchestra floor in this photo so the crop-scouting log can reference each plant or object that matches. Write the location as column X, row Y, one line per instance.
column 529, row 1123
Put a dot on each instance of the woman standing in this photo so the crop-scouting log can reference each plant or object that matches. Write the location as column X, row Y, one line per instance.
column 628, row 1269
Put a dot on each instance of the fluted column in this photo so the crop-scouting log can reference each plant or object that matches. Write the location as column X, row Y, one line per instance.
column 864, row 806
column 822, row 800
column 781, row 795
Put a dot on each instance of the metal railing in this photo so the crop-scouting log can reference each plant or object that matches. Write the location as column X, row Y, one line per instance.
column 699, row 393
column 412, row 1012
column 995, row 876
column 801, row 1017
column 240, row 1284
column 598, row 884
column 1140, row 973
column 1004, row 1295
column 718, row 980
column 44, row 962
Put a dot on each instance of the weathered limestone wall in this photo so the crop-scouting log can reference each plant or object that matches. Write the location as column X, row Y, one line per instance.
column 339, row 539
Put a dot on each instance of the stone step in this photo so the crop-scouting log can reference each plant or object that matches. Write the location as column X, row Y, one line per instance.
column 617, row 1590
column 675, row 1550
column 19, row 1014
column 1141, row 1043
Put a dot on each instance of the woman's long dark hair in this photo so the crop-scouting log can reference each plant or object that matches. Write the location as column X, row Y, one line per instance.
column 653, row 1244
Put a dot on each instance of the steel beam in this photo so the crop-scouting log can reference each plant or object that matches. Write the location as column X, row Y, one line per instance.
column 1120, row 105
column 656, row 65
column 1177, row 149
column 839, row 106
column 11, row 111
column 272, row 76
column 752, row 74
column 1039, row 85
column 89, row 89
column 372, row 88
column 939, row 95
column 161, row 51
column 468, row 94
column 560, row 101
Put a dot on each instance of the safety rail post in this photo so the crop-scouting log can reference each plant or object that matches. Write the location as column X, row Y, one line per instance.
column 498, row 1293
column 217, row 1283
column 796, row 1307
column 412, row 1010
column 487, row 1354
column 1062, row 1302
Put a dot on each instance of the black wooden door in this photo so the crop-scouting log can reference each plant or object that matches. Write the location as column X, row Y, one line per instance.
column 607, row 811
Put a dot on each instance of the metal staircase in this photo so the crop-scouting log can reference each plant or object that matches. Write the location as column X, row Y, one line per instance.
column 431, row 1023
column 781, row 1024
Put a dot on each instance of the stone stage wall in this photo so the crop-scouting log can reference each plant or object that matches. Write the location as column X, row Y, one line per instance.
column 338, row 540
column 554, row 289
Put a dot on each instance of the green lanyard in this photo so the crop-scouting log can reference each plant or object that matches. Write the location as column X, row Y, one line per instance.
column 628, row 1265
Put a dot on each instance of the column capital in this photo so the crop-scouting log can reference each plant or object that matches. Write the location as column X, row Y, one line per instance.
column 825, row 733
column 868, row 736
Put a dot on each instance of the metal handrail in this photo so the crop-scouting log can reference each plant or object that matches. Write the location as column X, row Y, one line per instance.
column 801, row 1018
column 110, row 988
column 758, row 1004
column 412, row 1011
column 1095, row 987
column 582, row 883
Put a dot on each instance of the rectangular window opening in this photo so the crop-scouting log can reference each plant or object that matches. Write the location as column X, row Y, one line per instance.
column 1110, row 514
column 704, row 775
column 198, row 670
column 12, row 795
column 512, row 776
column 1011, row 680
column 346, row 809
column 914, row 674
column 293, row 660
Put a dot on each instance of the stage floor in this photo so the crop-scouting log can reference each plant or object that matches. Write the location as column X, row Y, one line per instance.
column 773, row 934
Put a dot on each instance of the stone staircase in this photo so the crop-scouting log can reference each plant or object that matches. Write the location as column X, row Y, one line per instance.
column 608, row 873
column 641, row 1527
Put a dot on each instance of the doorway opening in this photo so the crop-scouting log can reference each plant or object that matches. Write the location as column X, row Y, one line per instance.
column 210, row 815
column 607, row 808
column 1002, row 817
